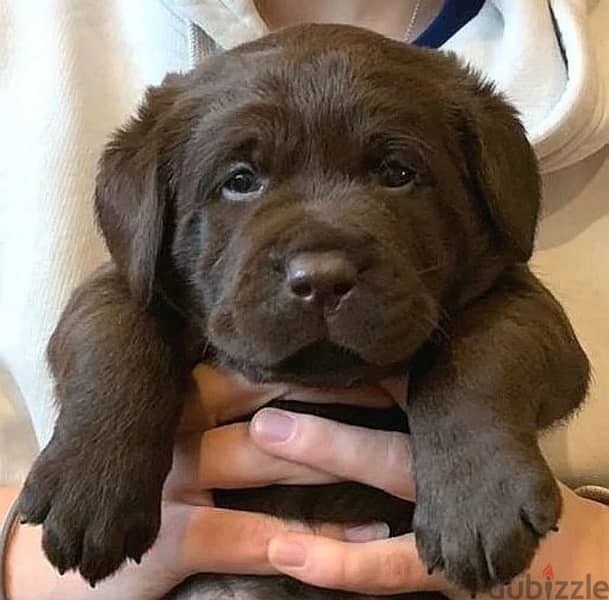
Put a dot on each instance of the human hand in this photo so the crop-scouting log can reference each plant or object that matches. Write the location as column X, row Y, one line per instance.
column 195, row 536
column 392, row 566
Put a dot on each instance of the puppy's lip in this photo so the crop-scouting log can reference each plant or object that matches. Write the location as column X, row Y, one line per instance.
column 320, row 358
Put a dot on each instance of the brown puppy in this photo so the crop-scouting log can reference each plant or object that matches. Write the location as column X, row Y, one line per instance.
column 329, row 207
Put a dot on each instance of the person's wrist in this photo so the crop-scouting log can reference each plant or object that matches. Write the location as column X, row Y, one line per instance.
column 578, row 552
column 8, row 499
column 28, row 575
column 576, row 549
column 594, row 530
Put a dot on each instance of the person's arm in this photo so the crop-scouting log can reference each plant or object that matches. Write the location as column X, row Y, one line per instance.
column 579, row 551
column 27, row 574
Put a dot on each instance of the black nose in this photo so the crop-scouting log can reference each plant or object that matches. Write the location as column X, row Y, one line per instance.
column 321, row 277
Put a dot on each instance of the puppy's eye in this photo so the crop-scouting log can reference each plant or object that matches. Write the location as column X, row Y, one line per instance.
column 393, row 174
column 242, row 185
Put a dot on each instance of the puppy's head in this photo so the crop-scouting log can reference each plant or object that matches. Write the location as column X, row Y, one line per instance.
column 319, row 200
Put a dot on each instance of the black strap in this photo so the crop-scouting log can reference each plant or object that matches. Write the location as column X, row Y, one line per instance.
column 5, row 534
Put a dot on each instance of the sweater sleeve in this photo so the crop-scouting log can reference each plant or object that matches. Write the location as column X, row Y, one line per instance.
column 594, row 492
column 17, row 441
column 70, row 73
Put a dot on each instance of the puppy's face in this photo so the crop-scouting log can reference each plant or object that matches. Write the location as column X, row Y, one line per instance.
column 319, row 200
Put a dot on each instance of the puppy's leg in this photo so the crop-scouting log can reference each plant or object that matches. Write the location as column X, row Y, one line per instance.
column 485, row 496
column 96, row 487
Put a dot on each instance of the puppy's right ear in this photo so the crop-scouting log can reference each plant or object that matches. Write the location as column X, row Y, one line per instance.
column 501, row 164
column 133, row 188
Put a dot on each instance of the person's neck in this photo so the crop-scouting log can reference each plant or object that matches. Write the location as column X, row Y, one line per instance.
column 392, row 18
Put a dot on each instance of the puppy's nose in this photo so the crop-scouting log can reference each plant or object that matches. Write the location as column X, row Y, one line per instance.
column 321, row 277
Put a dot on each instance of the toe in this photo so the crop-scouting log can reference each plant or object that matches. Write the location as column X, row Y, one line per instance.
column 62, row 541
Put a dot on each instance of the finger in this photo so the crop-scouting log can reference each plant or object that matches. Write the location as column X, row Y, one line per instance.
column 379, row 567
column 227, row 541
column 221, row 396
column 397, row 388
column 370, row 396
column 380, row 459
column 227, row 458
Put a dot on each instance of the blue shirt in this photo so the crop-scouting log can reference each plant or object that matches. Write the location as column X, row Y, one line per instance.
column 452, row 17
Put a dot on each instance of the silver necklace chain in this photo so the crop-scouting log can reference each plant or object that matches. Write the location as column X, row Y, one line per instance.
column 413, row 21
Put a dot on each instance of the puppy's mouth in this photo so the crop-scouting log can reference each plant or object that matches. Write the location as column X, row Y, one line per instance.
column 320, row 364
column 319, row 359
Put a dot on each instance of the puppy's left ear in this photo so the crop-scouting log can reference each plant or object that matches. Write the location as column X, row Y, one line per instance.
column 502, row 167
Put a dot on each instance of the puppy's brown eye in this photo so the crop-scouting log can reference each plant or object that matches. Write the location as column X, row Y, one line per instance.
column 242, row 185
column 392, row 174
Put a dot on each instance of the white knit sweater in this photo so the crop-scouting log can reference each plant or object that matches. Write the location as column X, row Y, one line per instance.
column 70, row 72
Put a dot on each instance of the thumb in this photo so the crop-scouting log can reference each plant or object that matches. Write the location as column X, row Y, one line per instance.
column 381, row 567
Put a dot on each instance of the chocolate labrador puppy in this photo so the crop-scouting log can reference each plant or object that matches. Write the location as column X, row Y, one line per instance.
column 328, row 207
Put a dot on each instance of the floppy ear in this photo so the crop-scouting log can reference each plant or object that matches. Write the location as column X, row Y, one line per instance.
column 503, row 168
column 133, row 190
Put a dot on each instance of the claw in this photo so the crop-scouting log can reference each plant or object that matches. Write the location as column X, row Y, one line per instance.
column 434, row 566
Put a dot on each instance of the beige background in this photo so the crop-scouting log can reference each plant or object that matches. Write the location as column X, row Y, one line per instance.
column 572, row 258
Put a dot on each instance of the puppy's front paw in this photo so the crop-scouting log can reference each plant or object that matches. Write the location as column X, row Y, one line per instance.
column 481, row 524
column 96, row 511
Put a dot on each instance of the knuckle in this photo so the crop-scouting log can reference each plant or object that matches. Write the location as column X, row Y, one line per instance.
column 315, row 436
column 395, row 572
column 263, row 527
column 382, row 573
column 398, row 461
column 334, row 569
column 397, row 450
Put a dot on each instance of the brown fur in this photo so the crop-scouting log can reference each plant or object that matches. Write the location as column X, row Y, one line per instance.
column 442, row 290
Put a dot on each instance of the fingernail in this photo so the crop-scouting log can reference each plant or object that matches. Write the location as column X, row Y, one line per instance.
column 287, row 554
column 367, row 533
column 273, row 426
